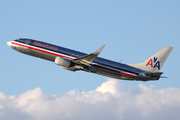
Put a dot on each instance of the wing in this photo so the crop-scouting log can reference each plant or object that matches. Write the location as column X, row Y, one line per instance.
column 87, row 60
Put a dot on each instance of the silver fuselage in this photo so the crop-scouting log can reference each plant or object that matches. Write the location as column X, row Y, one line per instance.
column 102, row 66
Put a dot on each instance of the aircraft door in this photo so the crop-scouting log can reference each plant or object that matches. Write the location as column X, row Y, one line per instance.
column 27, row 42
column 28, row 50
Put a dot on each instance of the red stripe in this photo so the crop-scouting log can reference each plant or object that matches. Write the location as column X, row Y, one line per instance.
column 70, row 58
column 115, row 71
column 40, row 50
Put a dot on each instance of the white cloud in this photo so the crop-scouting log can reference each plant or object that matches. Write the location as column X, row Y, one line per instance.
column 109, row 101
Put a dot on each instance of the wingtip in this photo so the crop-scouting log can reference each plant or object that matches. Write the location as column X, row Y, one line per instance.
column 100, row 49
column 169, row 47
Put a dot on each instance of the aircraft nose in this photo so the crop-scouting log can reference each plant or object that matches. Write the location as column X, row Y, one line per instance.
column 9, row 43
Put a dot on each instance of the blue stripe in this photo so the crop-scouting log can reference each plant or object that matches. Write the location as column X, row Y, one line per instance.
column 97, row 60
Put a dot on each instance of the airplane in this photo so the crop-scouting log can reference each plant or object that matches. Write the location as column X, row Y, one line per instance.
column 73, row 60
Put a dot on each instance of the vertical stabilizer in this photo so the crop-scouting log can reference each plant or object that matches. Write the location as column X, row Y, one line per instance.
column 155, row 62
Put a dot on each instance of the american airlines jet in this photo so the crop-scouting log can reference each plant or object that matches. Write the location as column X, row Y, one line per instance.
column 74, row 60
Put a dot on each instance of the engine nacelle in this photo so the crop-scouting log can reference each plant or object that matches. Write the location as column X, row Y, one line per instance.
column 62, row 62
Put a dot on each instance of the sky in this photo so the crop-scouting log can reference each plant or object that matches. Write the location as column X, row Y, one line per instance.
column 36, row 89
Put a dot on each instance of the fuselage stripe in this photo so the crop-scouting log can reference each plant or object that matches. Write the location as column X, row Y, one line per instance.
column 47, row 51
column 37, row 49
column 115, row 71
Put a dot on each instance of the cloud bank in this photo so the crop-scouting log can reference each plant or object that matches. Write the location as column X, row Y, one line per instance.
column 110, row 101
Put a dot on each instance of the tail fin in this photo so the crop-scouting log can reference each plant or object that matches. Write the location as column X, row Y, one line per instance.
column 155, row 62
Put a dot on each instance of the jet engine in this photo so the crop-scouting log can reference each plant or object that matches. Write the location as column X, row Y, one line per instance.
column 62, row 62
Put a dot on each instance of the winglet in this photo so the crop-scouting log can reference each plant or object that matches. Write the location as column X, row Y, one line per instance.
column 120, row 60
column 100, row 49
column 87, row 59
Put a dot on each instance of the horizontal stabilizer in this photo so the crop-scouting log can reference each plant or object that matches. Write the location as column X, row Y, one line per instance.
column 154, row 74
column 164, row 77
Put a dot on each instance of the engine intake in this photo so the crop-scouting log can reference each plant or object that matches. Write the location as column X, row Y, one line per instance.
column 62, row 62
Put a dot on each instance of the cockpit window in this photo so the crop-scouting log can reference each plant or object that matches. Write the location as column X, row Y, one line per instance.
column 17, row 40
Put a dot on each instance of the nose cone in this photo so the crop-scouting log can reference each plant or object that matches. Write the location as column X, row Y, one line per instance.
column 9, row 43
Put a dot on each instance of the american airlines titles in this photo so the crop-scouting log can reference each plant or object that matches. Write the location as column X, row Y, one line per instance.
column 45, row 45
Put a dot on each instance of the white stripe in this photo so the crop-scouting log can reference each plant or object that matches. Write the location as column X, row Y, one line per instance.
column 46, row 50
column 74, row 58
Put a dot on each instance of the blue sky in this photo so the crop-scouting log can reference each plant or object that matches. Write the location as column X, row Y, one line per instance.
column 132, row 30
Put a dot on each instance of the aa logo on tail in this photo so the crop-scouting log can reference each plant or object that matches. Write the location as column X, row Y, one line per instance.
column 154, row 63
